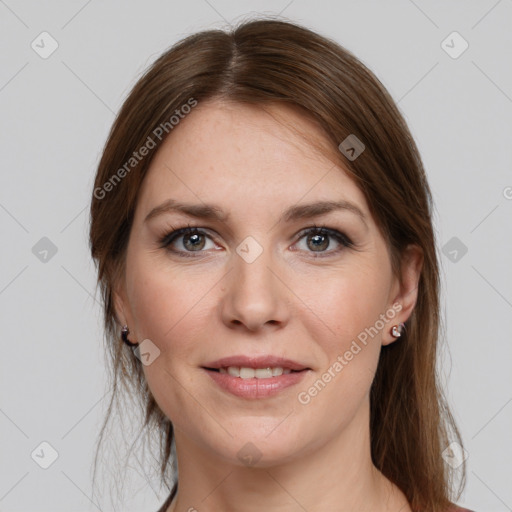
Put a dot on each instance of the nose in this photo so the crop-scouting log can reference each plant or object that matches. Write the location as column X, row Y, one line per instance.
column 255, row 296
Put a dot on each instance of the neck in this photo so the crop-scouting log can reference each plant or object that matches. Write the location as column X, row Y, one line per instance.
column 337, row 476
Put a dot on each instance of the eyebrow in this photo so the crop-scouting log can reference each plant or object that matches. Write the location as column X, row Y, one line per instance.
column 294, row 213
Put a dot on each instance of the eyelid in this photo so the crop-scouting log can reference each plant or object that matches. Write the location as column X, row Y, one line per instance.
column 324, row 230
column 171, row 234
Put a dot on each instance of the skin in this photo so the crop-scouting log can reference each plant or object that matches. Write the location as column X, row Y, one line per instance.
column 253, row 165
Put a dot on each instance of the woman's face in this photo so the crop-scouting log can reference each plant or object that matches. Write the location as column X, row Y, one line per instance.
column 253, row 282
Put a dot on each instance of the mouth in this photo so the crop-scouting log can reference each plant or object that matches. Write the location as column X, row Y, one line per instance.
column 256, row 377
column 244, row 372
column 259, row 367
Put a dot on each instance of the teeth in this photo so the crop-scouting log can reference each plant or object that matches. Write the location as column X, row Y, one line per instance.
column 251, row 373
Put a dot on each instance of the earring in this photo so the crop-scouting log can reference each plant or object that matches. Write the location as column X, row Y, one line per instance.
column 124, row 336
column 397, row 330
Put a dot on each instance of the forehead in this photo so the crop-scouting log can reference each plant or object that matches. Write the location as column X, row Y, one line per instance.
column 240, row 155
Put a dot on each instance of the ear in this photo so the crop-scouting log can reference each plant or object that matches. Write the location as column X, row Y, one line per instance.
column 405, row 294
column 120, row 305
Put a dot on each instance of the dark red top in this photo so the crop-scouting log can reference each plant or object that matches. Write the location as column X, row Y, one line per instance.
column 169, row 499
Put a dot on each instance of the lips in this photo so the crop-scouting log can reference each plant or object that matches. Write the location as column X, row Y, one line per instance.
column 255, row 384
column 255, row 362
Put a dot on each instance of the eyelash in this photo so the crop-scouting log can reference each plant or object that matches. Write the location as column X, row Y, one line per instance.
column 169, row 237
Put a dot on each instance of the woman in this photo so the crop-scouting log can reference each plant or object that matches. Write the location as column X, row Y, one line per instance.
column 261, row 222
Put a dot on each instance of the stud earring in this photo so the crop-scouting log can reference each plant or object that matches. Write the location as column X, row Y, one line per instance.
column 397, row 330
column 124, row 336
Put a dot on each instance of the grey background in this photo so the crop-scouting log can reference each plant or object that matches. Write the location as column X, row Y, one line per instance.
column 55, row 116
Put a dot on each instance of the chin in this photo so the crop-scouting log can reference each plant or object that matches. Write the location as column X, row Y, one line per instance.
column 260, row 448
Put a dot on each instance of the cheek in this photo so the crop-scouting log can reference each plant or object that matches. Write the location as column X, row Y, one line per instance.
column 154, row 303
column 346, row 304
column 159, row 298
column 168, row 310
column 344, row 311
column 174, row 310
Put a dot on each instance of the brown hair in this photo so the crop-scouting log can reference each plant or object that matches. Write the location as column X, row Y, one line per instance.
column 268, row 61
